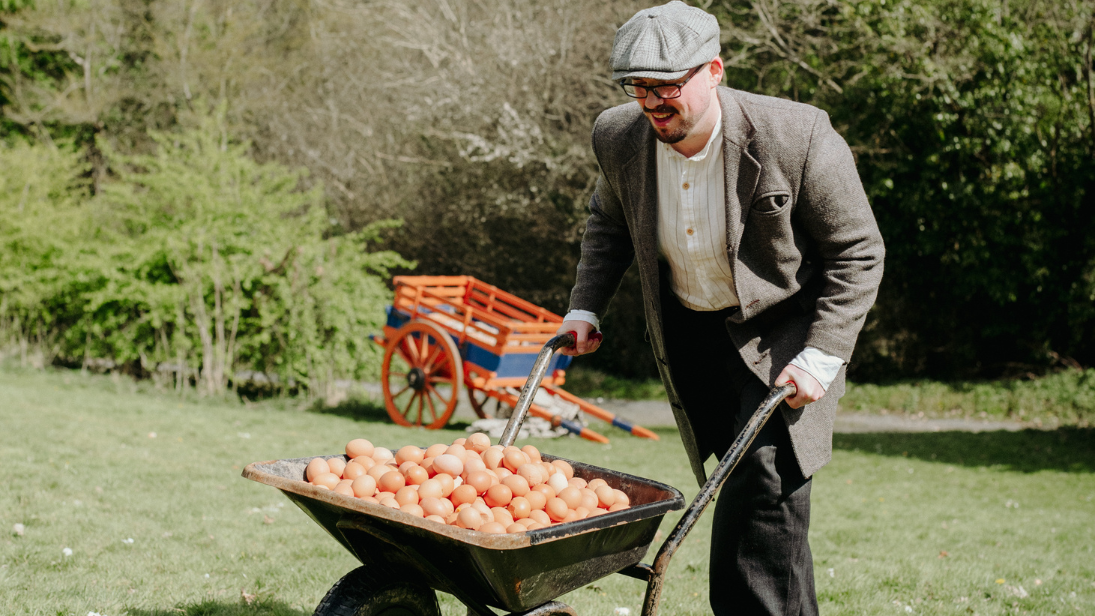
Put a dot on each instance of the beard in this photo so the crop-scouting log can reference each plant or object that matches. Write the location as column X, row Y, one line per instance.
column 677, row 134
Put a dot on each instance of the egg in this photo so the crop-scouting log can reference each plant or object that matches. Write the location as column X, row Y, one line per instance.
column 536, row 526
column 471, row 454
column 514, row 458
column 502, row 516
column 499, row 495
column 378, row 471
column 459, row 441
column 571, row 516
column 532, row 474
column 533, row 453
column 477, row 442
column 501, row 472
column 407, row 496
column 536, row 499
column 337, row 465
column 589, row 499
column 448, row 464
column 315, row 468
column 343, row 487
column 471, row 465
column 571, row 496
column 493, row 528
column 390, row 502
column 413, row 509
column 365, row 461
column 458, row 451
column 432, row 506
column 541, row 516
column 448, row 484
column 409, row 453
column 369, row 499
column 621, row 497
column 606, row 496
column 618, row 506
column 596, row 483
column 382, row 455
column 576, row 482
column 558, row 482
column 392, row 481
column 564, row 466
column 327, row 480
column 598, row 511
column 480, row 480
column 353, row 470
column 482, row 508
column 493, row 458
column 520, row 507
column 431, row 488
column 364, row 486
column 517, row 484
column 469, row 518
column 581, row 513
column 463, row 494
column 359, row 447
column 416, row 476
column 557, row 509
column 436, row 518
column 545, row 489
column 435, row 450
column 516, row 528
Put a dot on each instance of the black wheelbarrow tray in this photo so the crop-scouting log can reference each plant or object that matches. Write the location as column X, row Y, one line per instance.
column 521, row 573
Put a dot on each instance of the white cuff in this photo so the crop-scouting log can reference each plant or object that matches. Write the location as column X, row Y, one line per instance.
column 584, row 315
column 819, row 364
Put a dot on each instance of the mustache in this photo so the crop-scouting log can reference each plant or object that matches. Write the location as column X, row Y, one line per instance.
column 660, row 109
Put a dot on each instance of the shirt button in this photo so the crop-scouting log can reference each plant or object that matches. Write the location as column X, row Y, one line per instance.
column 689, row 231
column 685, row 185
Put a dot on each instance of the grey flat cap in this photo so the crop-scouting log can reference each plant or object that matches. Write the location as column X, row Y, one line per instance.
column 664, row 42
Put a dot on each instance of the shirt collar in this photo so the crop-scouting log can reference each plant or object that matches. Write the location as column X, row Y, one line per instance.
column 715, row 138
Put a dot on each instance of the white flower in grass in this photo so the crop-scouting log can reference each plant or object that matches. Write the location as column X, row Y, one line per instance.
column 621, row 611
column 67, row 551
column 127, row 541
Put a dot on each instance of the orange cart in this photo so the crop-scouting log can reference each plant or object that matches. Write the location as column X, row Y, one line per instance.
column 446, row 331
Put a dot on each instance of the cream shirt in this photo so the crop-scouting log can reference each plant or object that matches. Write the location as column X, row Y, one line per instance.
column 692, row 239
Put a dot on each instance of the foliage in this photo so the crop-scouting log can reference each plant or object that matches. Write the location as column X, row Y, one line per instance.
column 199, row 260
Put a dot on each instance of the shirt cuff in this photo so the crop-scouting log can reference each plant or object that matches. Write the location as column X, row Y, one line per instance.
column 819, row 364
column 585, row 315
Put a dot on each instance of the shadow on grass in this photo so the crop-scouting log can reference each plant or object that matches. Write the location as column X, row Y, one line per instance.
column 370, row 411
column 259, row 607
column 1066, row 449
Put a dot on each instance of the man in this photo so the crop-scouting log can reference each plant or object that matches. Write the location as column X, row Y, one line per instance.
column 759, row 258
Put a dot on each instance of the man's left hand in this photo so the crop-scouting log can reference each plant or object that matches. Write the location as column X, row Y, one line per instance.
column 809, row 390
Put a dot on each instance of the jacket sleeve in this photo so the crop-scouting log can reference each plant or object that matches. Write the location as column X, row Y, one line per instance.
column 838, row 217
column 607, row 250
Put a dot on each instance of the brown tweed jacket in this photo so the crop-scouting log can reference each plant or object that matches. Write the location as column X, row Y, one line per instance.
column 802, row 241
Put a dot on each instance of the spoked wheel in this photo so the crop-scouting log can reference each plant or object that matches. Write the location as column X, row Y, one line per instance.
column 421, row 375
column 487, row 407
column 362, row 593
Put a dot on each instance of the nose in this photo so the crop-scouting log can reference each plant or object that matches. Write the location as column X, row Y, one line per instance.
column 650, row 94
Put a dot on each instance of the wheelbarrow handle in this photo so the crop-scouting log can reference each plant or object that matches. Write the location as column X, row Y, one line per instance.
column 656, row 573
column 528, row 391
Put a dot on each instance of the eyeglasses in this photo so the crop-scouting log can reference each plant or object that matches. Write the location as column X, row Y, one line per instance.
column 662, row 91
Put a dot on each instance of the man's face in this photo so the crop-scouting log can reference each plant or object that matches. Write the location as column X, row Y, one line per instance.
column 674, row 119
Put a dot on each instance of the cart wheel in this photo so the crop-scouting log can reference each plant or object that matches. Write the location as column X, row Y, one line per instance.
column 361, row 593
column 487, row 407
column 421, row 375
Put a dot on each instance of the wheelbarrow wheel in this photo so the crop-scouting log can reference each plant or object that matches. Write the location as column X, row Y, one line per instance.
column 362, row 593
column 421, row 375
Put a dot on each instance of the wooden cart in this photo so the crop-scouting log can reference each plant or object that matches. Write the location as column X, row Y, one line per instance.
column 446, row 331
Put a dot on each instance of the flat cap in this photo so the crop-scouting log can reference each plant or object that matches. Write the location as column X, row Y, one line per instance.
column 664, row 42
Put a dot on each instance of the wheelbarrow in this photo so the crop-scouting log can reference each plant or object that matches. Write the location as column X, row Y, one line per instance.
column 406, row 559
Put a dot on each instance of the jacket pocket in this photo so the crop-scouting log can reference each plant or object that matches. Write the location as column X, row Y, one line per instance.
column 771, row 203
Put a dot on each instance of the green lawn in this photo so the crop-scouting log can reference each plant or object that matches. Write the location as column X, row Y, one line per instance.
column 943, row 523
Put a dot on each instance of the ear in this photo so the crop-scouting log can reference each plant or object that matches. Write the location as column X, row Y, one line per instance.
column 716, row 71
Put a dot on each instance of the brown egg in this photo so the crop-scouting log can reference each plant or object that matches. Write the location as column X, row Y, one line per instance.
column 448, row 464
column 493, row 528
column 390, row 502
column 359, row 447
column 541, row 516
column 618, row 506
column 471, row 454
column 589, row 499
column 406, row 466
column 409, row 453
column 598, row 511
column 548, row 469
column 382, row 455
column 407, row 495
column 391, row 481
column 480, row 480
column 477, row 442
column 499, row 495
column 451, row 518
column 380, row 495
column 557, row 509
column 431, row 488
column 327, row 480
column 532, row 474
column 378, row 471
column 427, row 464
column 416, row 476
column 337, row 465
column 435, row 450
column 364, row 486
column 502, row 516
column 483, row 509
column 463, row 494
column 576, row 482
column 571, row 516
column 582, row 513
column 564, row 466
column 536, row 499
column 472, row 465
column 492, row 458
column 353, row 470
column 448, row 484
column 459, row 441
column 413, row 509
column 621, row 497
column 558, row 482
column 436, row 518
column 514, row 458
column 343, row 487
column 533, row 453
column 469, row 518
column 315, row 468
column 501, row 472
column 365, row 461
column 520, row 507
column 571, row 496
column 596, row 483
column 517, row 484
column 458, row 451
column 516, row 528
column 536, row 526
column 605, row 495
column 433, row 506
column 545, row 489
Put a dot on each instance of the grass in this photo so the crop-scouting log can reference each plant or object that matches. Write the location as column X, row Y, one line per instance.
column 940, row 523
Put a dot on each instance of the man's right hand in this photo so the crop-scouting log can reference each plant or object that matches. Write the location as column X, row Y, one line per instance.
column 582, row 331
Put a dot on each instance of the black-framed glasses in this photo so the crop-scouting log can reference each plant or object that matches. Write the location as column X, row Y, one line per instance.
column 662, row 91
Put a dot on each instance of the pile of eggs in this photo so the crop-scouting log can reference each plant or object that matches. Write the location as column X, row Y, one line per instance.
column 469, row 484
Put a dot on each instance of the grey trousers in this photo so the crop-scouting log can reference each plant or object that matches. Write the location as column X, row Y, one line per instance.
column 760, row 553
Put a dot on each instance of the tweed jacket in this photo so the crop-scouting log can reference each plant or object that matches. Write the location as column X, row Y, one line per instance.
column 802, row 242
